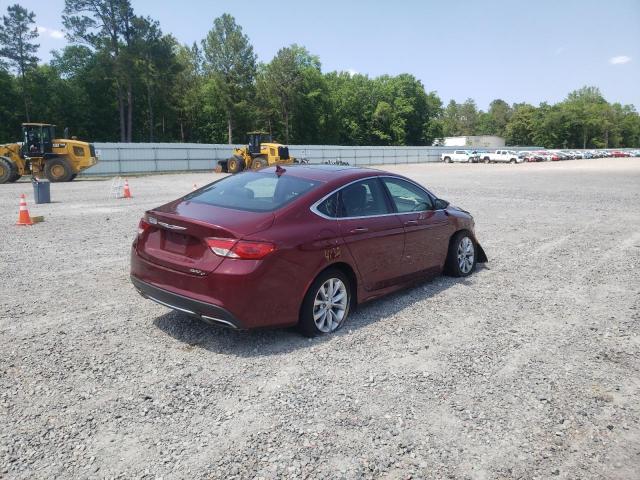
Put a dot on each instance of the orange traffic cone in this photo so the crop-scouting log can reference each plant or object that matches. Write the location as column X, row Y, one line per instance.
column 127, row 191
column 23, row 216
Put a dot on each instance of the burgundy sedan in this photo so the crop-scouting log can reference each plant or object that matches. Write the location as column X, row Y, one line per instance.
column 297, row 246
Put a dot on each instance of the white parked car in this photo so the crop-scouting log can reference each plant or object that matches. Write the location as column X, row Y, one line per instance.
column 502, row 156
column 467, row 156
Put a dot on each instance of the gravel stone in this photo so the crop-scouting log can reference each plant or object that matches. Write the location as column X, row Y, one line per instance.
column 530, row 368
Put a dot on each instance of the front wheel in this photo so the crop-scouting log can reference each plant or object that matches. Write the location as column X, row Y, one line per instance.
column 58, row 170
column 486, row 160
column 326, row 305
column 447, row 159
column 461, row 258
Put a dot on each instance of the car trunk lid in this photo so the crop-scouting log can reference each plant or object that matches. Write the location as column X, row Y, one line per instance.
column 177, row 233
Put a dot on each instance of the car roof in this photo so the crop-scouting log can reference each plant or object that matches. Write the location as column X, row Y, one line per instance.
column 327, row 173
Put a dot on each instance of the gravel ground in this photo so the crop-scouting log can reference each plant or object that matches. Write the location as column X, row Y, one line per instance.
column 530, row 368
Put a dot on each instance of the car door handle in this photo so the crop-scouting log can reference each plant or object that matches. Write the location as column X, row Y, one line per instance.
column 359, row 230
column 410, row 223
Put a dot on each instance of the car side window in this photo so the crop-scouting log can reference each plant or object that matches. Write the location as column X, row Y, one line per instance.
column 329, row 206
column 365, row 198
column 408, row 197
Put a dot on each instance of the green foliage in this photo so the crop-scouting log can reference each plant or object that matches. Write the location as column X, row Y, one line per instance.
column 16, row 46
column 122, row 78
column 231, row 66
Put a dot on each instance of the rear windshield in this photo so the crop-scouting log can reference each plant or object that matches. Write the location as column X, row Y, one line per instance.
column 253, row 191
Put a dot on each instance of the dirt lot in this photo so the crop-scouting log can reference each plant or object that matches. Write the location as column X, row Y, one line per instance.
column 528, row 369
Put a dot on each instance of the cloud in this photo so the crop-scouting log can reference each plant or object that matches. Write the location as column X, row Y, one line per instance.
column 560, row 50
column 352, row 72
column 619, row 60
column 50, row 32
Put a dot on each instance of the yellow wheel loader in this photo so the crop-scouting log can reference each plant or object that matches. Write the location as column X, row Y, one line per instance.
column 261, row 152
column 42, row 154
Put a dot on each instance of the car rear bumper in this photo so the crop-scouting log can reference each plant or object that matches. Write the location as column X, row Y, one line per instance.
column 207, row 312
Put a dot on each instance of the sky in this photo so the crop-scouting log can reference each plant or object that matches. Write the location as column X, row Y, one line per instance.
column 520, row 51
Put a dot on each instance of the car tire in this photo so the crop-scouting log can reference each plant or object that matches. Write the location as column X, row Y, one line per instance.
column 513, row 160
column 58, row 170
column 462, row 255
column 8, row 170
column 235, row 164
column 486, row 160
column 259, row 162
column 447, row 159
column 315, row 318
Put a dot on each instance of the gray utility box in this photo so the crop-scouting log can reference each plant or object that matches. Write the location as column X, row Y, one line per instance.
column 41, row 191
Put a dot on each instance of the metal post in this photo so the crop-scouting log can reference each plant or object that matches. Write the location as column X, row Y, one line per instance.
column 155, row 158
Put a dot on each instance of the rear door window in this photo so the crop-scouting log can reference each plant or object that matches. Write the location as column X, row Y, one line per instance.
column 253, row 191
column 363, row 199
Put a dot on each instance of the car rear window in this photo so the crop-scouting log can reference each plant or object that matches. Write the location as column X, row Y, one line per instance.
column 253, row 191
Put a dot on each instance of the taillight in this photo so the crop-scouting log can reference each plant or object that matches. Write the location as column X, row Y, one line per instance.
column 142, row 226
column 242, row 249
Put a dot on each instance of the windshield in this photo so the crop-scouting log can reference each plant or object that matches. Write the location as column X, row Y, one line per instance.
column 253, row 191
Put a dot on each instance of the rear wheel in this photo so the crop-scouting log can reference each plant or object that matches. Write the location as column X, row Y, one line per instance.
column 326, row 305
column 58, row 170
column 461, row 258
column 513, row 160
column 8, row 170
column 486, row 160
column 235, row 165
column 15, row 177
column 259, row 162
column 447, row 159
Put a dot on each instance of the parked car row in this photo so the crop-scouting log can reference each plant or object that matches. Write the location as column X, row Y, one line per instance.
column 513, row 156
column 475, row 156
column 556, row 155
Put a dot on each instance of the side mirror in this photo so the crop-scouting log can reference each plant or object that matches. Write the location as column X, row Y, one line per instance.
column 440, row 204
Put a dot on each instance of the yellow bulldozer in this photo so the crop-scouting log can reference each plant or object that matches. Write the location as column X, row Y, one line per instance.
column 260, row 152
column 42, row 154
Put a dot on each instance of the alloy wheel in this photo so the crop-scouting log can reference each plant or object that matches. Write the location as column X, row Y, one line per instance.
column 466, row 254
column 330, row 305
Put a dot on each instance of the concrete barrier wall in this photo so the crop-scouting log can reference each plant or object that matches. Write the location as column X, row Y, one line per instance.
column 123, row 158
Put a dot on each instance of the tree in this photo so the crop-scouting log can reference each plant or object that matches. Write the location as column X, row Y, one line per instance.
column 583, row 109
column 187, row 95
column 495, row 120
column 10, row 105
column 519, row 129
column 156, row 67
column 468, row 117
column 451, row 121
column 107, row 26
column 16, row 46
column 231, row 64
column 432, row 127
column 282, row 82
